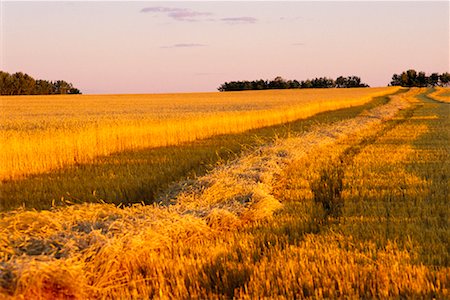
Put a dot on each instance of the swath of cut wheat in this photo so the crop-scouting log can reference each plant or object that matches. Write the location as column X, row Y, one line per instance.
column 41, row 133
column 440, row 94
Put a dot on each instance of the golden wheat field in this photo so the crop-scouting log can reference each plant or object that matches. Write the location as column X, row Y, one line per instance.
column 41, row 133
column 354, row 208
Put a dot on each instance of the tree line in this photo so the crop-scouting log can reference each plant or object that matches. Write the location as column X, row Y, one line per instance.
column 280, row 83
column 23, row 84
column 412, row 78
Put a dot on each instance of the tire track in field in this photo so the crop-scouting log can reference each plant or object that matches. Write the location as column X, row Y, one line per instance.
column 327, row 189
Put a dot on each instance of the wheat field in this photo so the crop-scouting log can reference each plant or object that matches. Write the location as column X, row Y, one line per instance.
column 356, row 208
column 41, row 133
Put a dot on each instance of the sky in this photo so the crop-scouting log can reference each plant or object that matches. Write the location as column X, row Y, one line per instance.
column 160, row 47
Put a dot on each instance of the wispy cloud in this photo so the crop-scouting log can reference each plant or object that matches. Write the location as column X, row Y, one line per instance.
column 178, row 14
column 187, row 15
column 159, row 9
column 240, row 20
column 290, row 18
column 185, row 45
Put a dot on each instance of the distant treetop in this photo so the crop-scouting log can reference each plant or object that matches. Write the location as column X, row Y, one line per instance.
column 280, row 83
column 23, row 84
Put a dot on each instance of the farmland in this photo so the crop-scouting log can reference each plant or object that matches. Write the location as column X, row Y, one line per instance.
column 74, row 135
column 351, row 202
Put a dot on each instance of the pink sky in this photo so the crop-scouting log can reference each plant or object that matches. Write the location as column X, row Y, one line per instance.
column 153, row 47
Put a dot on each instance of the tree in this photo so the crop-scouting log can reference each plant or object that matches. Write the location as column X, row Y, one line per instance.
column 6, row 84
column 74, row 91
column 411, row 77
column 433, row 80
column 396, row 80
column 322, row 82
column 341, row 82
column 404, row 81
column 62, row 87
column 260, row 84
column 421, row 80
column 293, row 84
column 349, row 82
column 18, row 83
column 444, row 79
column 44, row 87
column 278, row 83
column 306, row 84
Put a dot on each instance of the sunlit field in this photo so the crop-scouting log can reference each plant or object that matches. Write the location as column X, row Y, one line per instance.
column 43, row 133
column 354, row 205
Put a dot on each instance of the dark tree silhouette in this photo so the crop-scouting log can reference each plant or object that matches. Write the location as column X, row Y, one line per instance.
column 444, row 79
column 281, row 83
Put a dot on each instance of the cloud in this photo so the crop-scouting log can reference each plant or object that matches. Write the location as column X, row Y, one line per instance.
column 290, row 19
column 187, row 15
column 178, row 14
column 240, row 20
column 185, row 45
column 160, row 9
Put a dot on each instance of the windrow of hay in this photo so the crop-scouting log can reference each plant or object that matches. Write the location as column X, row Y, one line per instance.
column 440, row 94
column 41, row 133
column 198, row 246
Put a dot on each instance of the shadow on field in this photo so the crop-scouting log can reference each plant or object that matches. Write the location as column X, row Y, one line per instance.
column 138, row 176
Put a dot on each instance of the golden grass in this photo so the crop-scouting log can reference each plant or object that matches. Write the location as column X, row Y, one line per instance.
column 41, row 133
column 440, row 94
column 250, row 229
